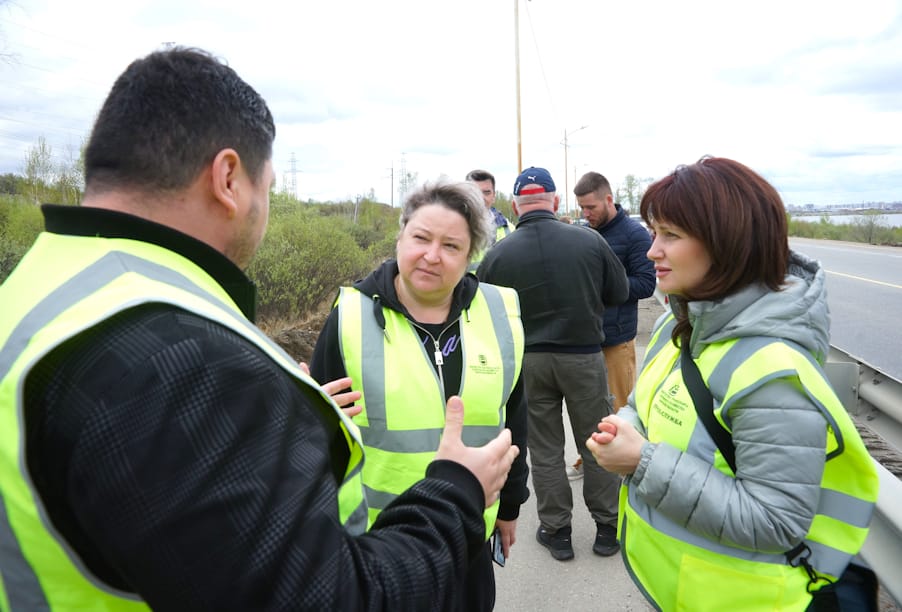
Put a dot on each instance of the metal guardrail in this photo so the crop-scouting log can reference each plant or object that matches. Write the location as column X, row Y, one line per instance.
column 882, row 550
column 875, row 399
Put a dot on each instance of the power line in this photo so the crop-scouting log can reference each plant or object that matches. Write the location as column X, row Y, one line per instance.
column 535, row 41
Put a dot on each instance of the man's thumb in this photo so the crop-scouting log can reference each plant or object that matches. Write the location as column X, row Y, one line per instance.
column 454, row 417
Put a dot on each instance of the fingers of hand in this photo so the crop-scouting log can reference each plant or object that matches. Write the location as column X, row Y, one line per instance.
column 349, row 397
column 603, row 437
column 334, row 386
column 454, row 418
column 352, row 411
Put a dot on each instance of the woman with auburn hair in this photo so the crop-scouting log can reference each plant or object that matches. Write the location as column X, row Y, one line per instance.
column 746, row 484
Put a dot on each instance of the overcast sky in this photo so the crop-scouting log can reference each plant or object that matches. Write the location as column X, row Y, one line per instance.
column 808, row 93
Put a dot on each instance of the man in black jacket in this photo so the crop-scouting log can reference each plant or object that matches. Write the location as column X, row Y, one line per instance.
column 157, row 448
column 564, row 276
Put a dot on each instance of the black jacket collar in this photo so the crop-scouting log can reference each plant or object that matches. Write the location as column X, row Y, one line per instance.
column 103, row 223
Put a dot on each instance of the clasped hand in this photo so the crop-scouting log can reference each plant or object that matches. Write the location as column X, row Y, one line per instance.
column 617, row 446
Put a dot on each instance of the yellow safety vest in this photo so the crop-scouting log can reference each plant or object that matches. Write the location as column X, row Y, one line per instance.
column 403, row 400
column 501, row 231
column 680, row 570
column 63, row 286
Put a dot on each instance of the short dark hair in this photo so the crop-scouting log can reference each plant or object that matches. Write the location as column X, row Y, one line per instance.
column 464, row 199
column 481, row 175
column 735, row 213
column 168, row 115
column 592, row 182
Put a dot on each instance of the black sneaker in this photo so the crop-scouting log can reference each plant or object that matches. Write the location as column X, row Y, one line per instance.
column 557, row 542
column 606, row 543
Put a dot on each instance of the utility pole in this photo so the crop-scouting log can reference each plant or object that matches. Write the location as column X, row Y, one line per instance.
column 567, row 169
column 293, row 172
column 405, row 181
column 391, row 171
column 517, row 66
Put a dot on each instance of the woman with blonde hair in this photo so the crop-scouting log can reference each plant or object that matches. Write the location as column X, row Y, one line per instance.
column 418, row 330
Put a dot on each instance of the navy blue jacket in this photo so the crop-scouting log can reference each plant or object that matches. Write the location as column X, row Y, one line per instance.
column 630, row 242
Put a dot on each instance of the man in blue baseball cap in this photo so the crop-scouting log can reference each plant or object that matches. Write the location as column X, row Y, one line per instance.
column 565, row 276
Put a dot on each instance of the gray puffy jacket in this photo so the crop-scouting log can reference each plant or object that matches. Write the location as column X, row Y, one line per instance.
column 779, row 435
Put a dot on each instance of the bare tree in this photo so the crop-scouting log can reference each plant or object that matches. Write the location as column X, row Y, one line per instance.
column 39, row 169
column 869, row 225
column 630, row 193
column 70, row 177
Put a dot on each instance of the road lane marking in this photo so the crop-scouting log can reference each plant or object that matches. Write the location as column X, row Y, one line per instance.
column 867, row 280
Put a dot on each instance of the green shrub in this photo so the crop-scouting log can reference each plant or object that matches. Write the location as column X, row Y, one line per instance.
column 20, row 224
column 302, row 261
column 309, row 251
column 868, row 228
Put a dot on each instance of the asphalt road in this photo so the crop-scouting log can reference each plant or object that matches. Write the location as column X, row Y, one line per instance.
column 864, row 292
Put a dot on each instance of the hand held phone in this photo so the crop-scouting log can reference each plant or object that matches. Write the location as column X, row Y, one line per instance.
column 497, row 548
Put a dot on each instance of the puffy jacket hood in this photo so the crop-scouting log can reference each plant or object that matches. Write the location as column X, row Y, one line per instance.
column 798, row 312
column 380, row 286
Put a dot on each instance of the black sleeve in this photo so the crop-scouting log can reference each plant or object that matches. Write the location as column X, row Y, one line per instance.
column 515, row 491
column 182, row 464
column 326, row 364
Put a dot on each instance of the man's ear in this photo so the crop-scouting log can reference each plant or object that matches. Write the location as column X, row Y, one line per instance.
column 557, row 201
column 225, row 169
column 514, row 206
column 609, row 200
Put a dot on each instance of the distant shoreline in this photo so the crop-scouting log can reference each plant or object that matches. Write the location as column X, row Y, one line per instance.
column 892, row 219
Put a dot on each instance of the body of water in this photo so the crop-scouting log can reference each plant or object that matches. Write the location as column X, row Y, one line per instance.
column 889, row 219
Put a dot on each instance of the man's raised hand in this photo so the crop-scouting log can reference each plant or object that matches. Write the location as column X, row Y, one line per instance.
column 490, row 463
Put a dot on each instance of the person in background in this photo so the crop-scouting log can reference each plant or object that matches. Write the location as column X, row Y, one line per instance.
column 485, row 182
column 157, row 450
column 565, row 277
column 775, row 510
column 630, row 241
column 418, row 330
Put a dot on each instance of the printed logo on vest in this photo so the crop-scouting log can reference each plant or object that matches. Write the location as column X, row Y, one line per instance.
column 484, row 367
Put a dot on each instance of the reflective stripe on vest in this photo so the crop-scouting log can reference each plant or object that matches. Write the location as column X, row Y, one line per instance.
column 665, row 558
column 403, row 401
column 64, row 285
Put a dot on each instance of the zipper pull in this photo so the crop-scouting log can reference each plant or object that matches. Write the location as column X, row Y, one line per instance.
column 439, row 359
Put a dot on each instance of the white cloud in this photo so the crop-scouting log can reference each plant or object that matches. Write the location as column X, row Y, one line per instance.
column 807, row 93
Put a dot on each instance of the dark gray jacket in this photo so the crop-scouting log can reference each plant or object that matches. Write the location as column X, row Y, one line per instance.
column 565, row 277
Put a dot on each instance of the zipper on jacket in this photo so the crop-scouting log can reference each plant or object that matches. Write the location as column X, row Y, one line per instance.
column 437, row 353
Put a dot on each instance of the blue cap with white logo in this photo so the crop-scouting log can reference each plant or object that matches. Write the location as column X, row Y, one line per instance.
column 534, row 180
